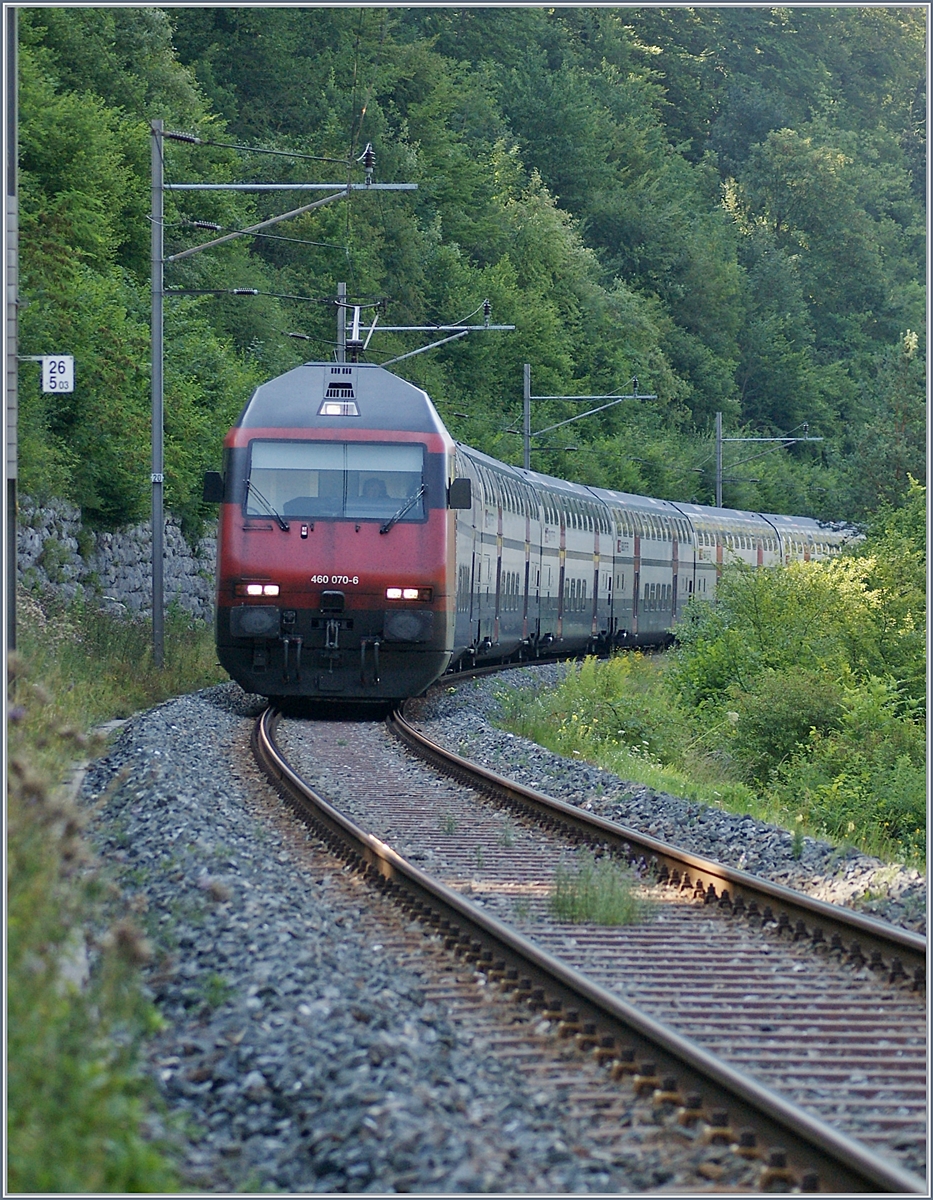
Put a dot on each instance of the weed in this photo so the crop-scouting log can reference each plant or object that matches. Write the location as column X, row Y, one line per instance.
column 78, row 1102
column 447, row 823
column 215, row 990
column 507, row 834
column 597, row 890
column 480, row 860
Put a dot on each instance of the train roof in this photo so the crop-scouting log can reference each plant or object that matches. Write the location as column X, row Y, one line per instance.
column 311, row 396
column 701, row 514
column 631, row 500
column 821, row 531
column 723, row 517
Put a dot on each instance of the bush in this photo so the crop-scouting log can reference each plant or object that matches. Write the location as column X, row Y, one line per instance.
column 866, row 779
column 780, row 701
column 812, row 616
column 779, row 714
column 97, row 666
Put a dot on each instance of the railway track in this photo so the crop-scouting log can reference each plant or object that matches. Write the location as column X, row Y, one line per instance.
column 746, row 1012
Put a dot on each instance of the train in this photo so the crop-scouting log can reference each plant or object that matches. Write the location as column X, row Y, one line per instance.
column 363, row 552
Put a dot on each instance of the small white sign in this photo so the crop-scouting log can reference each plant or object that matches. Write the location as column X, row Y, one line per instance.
column 58, row 373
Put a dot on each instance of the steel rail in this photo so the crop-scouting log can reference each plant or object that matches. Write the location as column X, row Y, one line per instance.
column 883, row 946
column 820, row 1156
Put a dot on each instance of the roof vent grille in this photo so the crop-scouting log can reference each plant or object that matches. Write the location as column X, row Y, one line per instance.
column 339, row 395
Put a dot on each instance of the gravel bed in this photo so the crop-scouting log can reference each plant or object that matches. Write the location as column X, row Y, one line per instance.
column 298, row 1053
column 463, row 719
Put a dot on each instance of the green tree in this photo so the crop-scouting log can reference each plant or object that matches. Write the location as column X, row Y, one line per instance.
column 886, row 444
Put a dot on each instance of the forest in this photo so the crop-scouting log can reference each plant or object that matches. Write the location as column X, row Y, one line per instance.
column 726, row 204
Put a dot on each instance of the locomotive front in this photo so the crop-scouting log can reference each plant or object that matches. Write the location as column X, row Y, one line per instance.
column 335, row 544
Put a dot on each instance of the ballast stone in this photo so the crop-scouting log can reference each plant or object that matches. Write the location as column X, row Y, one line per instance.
column 341, row 1076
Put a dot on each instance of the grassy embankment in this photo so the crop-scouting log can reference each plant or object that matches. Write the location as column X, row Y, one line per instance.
column 81, row 1117
column 624, row 716
column 798, row 698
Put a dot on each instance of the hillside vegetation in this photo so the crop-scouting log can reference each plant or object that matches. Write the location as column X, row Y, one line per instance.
column 726, row 203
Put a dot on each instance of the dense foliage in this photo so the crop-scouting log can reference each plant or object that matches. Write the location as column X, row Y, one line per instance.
column 799, row 695
column 726, row 203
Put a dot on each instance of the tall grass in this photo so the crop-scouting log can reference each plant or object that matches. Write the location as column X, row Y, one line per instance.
column 619, row 715
column 80, row 1113
column 95, row 666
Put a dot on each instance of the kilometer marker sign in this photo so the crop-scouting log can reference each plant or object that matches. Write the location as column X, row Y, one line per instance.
column 58, row 373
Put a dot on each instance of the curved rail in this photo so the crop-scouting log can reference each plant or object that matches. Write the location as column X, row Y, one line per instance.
column 882, row 946
column 821, row 1157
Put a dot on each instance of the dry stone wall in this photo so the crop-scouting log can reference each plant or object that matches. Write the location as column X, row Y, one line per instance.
column 57, row 553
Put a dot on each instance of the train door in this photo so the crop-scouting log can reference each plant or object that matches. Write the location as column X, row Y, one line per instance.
column 526, row 582
column 468, row 557
column 496, row 636
column 623, row 566
column 686, row 564
column 536, row 570
column 596, row 592
column 512, row 558
column 562, row 568
column 484, row 577
column 636, row 570
column 649, row 552
column 675, row 559
column 550, row 568
column 528, row 508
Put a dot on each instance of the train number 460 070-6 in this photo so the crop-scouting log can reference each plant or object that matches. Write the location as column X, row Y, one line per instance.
column 341, row 579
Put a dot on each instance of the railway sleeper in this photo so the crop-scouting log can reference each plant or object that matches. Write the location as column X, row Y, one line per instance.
column 648, row 1079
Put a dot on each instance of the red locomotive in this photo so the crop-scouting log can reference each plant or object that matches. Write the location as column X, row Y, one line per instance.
column 361, row 552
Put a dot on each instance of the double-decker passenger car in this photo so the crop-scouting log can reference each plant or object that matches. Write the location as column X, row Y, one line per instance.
column 361, row 552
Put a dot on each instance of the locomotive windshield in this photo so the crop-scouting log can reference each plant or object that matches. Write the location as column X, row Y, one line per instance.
column 355, row 480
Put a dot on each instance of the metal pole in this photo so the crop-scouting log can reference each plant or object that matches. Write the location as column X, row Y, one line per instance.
column 526, row 428
column 158, row 517
column 11, row 268
column 719, row 460
column 341, row 322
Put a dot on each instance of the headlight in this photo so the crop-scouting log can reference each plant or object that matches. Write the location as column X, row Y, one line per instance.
column 257, row 589
column 409, row 593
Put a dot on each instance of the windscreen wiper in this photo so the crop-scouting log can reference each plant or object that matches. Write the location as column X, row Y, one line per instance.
column 251, row 487
column 403, row 510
